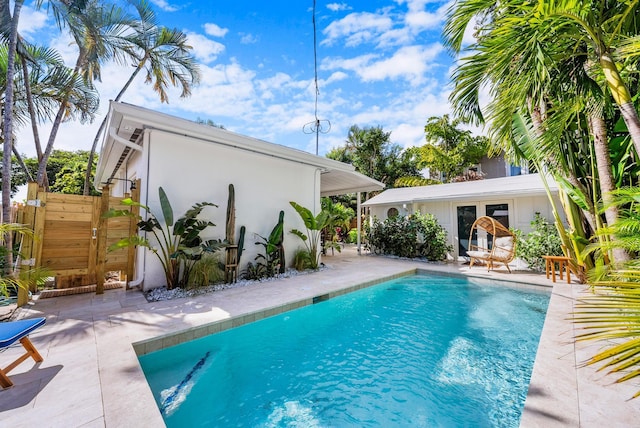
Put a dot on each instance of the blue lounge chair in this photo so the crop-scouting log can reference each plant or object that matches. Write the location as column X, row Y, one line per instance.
column 13, row 331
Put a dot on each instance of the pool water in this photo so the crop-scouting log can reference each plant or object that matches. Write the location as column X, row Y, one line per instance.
column 417, row 351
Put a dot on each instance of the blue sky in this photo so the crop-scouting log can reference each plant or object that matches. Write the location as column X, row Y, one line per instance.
column 380, row 63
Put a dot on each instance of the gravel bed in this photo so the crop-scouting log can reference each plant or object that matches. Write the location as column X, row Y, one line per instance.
column 161, row 293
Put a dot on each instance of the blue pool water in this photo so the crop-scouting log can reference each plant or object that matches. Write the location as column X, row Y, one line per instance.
column 417, row 351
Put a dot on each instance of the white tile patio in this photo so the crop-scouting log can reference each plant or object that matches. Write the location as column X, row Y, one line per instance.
column 90, row 376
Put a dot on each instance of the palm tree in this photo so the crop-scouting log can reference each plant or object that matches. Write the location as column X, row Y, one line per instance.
column 529, row 72
column 99, row 32
column 613, row 312
column 166, row 57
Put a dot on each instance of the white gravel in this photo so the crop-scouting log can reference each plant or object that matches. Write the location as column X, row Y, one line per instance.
column 161, row 293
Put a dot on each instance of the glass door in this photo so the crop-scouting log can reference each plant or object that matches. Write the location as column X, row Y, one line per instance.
column 466, row 216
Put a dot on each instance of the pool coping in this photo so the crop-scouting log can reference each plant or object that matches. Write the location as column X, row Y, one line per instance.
column 158, row 343
column 88, row 346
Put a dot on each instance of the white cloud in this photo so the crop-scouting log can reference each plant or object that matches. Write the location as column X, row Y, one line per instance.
column 215, row 30
column 31, row 21
column 164, row 5
column 337, row 7
column 247, row 38
column 357, row 28
column 409, row 62
column 204, row 49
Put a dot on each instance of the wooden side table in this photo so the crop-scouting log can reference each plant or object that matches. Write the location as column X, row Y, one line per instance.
column 563, row 267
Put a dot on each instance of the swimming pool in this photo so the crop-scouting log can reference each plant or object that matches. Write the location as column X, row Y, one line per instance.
column 417, row 351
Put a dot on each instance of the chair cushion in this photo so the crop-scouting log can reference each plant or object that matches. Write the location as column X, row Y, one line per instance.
column 12, row 331
column 503, row 247
column 478, row 254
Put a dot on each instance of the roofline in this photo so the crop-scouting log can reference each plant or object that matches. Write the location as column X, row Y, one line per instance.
column 164, row 122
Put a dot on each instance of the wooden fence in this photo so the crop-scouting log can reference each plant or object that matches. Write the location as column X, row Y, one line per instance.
column 72, row 237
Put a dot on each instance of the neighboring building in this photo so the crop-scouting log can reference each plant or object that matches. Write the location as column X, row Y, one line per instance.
column 195, row 163
column 512, row 200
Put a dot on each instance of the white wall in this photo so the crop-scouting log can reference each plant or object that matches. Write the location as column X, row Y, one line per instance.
column 191, row 171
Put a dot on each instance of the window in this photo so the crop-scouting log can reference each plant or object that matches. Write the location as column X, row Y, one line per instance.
column 392, row 212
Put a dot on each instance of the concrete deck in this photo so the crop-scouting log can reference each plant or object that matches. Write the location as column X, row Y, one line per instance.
column 90, row 376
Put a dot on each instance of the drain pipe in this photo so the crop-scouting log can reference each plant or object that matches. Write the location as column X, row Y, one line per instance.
column 141, row 255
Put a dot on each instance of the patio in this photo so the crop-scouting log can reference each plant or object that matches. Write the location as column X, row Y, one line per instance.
column 91, row 377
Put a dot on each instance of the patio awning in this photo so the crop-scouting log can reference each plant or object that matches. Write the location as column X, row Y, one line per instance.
column 340, row 182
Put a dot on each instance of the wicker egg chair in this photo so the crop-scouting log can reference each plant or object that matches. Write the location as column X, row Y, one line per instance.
column 502, row 251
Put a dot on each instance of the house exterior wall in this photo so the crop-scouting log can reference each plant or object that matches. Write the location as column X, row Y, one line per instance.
column 192, row 170
column 521, row 212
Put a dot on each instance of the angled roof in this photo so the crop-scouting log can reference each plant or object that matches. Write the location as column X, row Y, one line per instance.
column 519, row 185
column 127, row 122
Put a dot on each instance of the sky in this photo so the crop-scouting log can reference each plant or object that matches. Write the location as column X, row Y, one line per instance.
column 379, row 63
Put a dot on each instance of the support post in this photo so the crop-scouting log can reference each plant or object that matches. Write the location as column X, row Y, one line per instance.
column 359, row 223
column 102, row 240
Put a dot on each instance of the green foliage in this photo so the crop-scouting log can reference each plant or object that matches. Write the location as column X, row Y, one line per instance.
column 178, row 245
column 418, row 235
column 301, row 260
column 352, row 236
column 414, row 182
column 370, row 151
column 314, row 226
column 25, row 278
column 205, row 271
column 66, row 171
column 612, row 312
column 272, row 262
column 543, row 240
column 339, row 221
column 449, row 149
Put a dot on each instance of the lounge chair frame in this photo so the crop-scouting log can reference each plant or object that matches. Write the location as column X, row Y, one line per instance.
column 496, row 254
column 13, row 331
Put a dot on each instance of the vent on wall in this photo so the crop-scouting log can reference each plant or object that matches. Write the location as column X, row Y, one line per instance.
column 134, row 139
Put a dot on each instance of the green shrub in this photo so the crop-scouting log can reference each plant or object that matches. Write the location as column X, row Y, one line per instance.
column 301, row 260
column 208, row 270
column 352, row 236
column 418, row 235
column 543, row 240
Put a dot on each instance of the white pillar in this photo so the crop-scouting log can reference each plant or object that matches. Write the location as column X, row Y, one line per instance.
column 359, row 221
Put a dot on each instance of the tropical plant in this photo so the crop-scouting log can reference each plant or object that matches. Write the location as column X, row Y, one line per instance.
column 449, row 150
column 163, row 53
column 417, row 235
column 99, row 30
column 612, row 312
column 301, row 260
column 314, row 226
column 178, row 244
column 205, row 271
column 560, row 84
column 273, row 259
column 338, row 223
column 543, row 240
column 26, row 278
column 372, row 154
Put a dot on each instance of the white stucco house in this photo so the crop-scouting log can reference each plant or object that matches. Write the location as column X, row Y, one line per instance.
column 511, row 200
column 194, row 163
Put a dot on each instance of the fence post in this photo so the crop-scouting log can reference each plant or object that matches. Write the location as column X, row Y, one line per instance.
column 102, row 240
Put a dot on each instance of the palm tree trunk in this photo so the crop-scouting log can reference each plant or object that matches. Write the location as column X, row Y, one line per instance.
column 8, row 120
column 21, row 162
column 622, row 97
column 32, row 110
column 87, row 174
column 605, row 176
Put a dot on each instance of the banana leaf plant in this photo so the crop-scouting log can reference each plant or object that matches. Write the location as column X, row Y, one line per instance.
column 274, row 258
column 178, row 244
column 314, row 226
